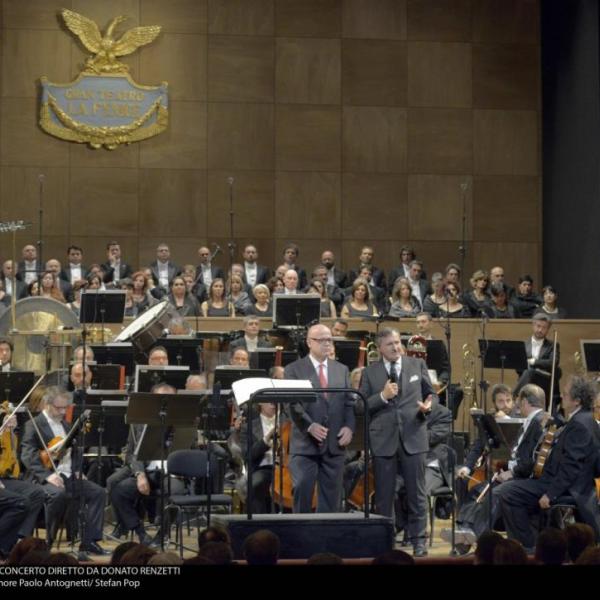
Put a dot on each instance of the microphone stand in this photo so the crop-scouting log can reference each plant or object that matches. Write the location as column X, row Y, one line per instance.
column 231, row 244
column 450, row 395
column 462, row 249
column 40, row 242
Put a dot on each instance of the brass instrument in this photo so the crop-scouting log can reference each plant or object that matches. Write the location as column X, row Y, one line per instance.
column 469, row 375
column 579, row 366
column 372, row 353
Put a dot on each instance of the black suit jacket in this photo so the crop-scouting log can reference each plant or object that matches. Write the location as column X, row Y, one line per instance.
column 399, row 420
column 172, row 268
column 125, row 270
column 333, row 412
column 21, row 270
column 31, row 446
column 258, row 447
column 216, row 273
column 241, row 343
column 377, row 277
column 65, row 273
column 544, row 360
column 262, row 274
column 439, row 426
column 21, row 287
column 524, row 453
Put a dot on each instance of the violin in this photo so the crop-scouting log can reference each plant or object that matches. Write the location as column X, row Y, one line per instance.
column 544, row 449
column 9, row 465
column 57, row 446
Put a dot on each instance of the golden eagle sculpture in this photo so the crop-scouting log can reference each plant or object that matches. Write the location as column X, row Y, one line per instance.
column 106, row 48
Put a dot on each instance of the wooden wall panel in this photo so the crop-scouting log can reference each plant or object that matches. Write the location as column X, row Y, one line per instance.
column 104, row 202
column 343, row 122
column 253, row 206
column 183, row 56
column 439, row 75
column 436, row 204
column 240, row 69
column 506, row 76
column 33, row 14
column 363, row 213
column 386, row 20
column 507, row 206
column 240, row 136
column 23, row 142
column 27, row 55
column 319, row 18
column 516, row 258
column 375, row 139
column 103, row 12
column 172, row 202
column 448, row 21
column 308, row 71
column 505, row 142
column 176, row 16
column 20, row 198
column 440, row 140
column 81, row 155
column 506, row 22
column 183, row 144
column 374, row 72
column 309, row 203
column 307, row 138
column 436, row 255
column 241, row 17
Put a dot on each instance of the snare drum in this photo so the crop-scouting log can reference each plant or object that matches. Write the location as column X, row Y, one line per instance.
column 148, row 327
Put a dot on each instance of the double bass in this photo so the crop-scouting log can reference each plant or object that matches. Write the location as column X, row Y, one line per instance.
column 283, row 491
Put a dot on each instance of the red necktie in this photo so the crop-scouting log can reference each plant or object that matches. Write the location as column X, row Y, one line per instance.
column 322, row 377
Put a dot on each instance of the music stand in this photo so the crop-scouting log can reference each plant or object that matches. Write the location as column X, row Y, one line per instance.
column 296, row 310
column 107, row 417
column 15, row 384
column 503, row 354
column 347, row 352
column 264, row 358
column 117, row 353
column 183, row 351
column 146, row 377
column 102, row 306
column 590, row 351
column 106, row 377
column 157, row 412
column 226, row 375
column 493, row 438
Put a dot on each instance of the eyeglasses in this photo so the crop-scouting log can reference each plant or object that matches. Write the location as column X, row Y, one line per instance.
column 322, row 340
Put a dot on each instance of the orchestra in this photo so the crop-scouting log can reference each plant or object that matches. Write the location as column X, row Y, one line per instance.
column 44, row 459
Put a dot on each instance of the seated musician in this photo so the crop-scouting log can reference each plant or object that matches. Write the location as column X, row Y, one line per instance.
column 239, row 358
column 196, row 382
column 20, row 501
column 158, row 357
column 539, row 357
column 473, row 518
column 424, row 321
column 569, row 470
column 6, row 350
column 261, row 455
column 251, row 340
column 135, row 480
column 61, row 479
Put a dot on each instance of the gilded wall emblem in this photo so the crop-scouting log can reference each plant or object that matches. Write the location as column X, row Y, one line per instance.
column 104, row 107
